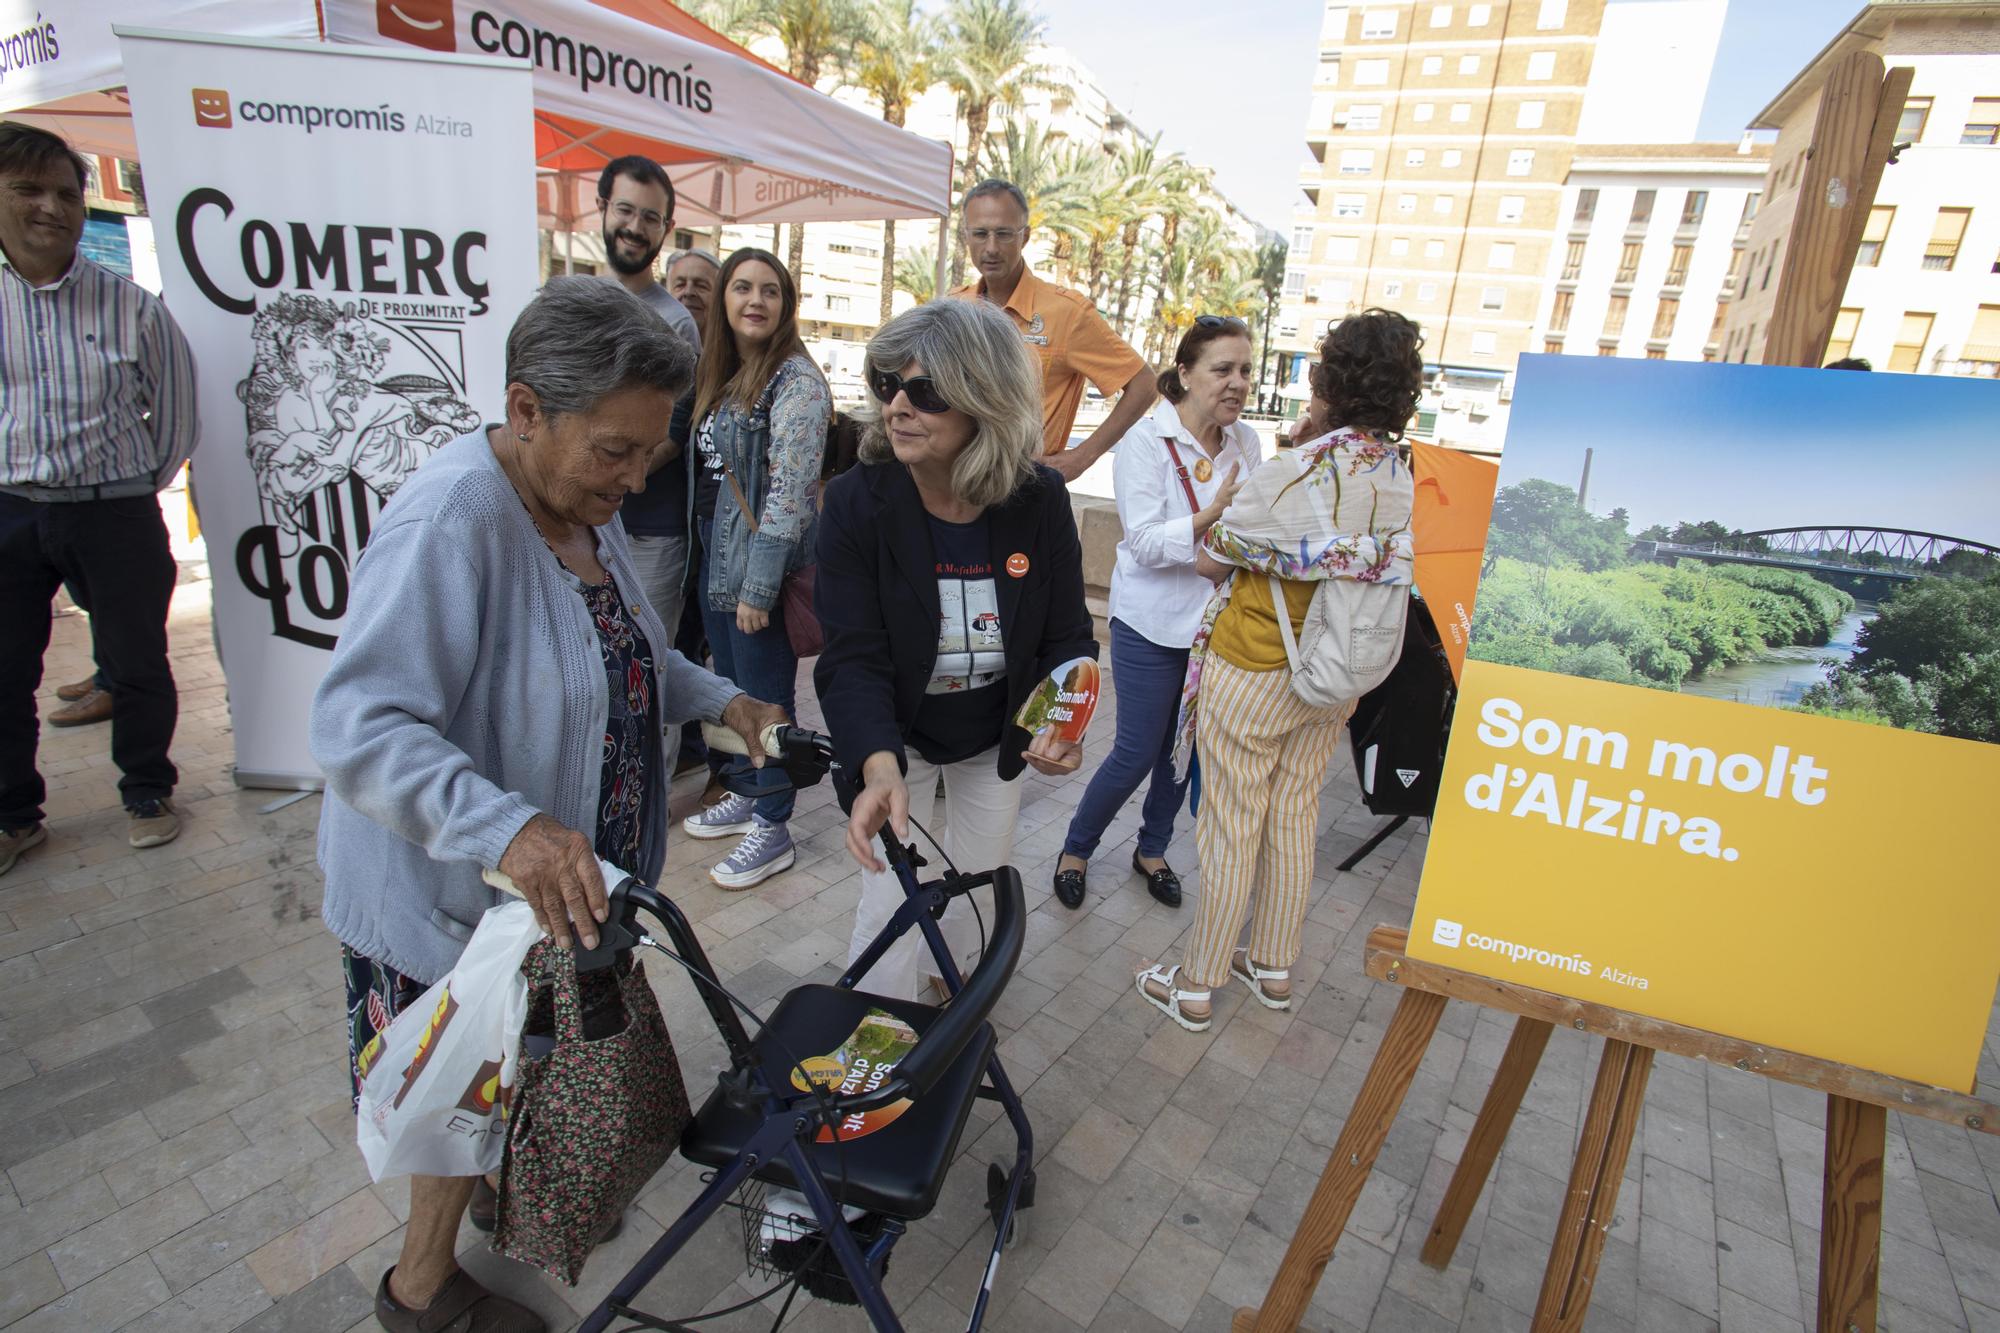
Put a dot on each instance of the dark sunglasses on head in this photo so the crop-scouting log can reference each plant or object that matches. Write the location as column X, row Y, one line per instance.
column 1221, row 322
column 923, row 393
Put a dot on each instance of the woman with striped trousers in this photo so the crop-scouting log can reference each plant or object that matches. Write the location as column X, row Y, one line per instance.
column 1340, row 509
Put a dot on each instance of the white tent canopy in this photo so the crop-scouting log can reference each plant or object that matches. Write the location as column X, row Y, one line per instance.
column 742, row 141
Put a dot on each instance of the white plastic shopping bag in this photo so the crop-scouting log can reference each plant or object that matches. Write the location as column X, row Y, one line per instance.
column 432, row 1083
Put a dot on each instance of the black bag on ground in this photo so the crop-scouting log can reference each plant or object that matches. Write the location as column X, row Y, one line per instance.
column 1400, row 727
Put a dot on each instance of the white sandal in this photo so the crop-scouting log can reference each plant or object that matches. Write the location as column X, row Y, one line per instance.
column 1171, row 1005
column 1243, row 969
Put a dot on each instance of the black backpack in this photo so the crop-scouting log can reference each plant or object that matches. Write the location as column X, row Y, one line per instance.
column 1400, row 727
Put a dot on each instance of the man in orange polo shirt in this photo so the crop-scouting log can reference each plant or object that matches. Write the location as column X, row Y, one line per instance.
column 1069, row 338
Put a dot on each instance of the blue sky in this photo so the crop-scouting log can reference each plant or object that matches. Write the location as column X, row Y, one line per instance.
column 1229, row 84
column 1762, row 446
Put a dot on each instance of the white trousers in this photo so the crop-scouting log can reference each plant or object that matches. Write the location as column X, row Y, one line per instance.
column 978, row 834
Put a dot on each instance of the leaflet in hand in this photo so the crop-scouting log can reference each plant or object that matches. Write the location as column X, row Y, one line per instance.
column 1063, row 703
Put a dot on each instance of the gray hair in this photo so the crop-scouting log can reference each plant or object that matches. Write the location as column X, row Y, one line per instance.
column 582, row 339
column 994, row 185
column 678, row 255
column 975, row 357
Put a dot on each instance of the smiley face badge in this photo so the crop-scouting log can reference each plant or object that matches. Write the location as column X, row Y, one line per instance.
column 1017, row 565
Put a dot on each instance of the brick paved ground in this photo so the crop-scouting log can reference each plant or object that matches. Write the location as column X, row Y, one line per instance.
column 179, row 1151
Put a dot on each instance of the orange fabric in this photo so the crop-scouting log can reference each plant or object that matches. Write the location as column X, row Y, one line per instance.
column 1454, row 505
column 1072, row 343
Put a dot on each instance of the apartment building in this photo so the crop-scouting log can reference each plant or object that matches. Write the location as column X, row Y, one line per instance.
column 1924, row 296
column 1442, row 137
column 1652, row 247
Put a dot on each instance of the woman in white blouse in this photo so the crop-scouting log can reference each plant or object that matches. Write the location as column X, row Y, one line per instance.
column 1175, row 472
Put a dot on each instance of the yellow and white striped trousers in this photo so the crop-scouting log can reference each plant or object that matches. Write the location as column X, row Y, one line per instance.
column 1263, row 755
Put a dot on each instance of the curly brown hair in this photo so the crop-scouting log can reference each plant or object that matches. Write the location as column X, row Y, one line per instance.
column 1371, row 372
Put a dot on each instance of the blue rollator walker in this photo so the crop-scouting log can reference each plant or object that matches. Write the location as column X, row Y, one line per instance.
column 758, row 1130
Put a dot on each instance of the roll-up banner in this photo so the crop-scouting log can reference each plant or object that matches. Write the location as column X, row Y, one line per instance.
column 345, row 236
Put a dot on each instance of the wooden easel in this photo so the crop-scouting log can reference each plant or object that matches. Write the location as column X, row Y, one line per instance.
column 1857, row 1113
column 1853, row 137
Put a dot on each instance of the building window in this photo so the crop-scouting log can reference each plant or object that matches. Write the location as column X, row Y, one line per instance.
column 1378, row 25
column 1357, row 161
column 1520, row 161
column 1423, row 111
column 1614, row 316
column 1911, row 127
column 1329, row 69
column 1364, row 116
column 1406, row 203
column 1440, row 16
column 1573, row 261
column 1764, row 284
column 1302, row 240
column 1452, row 157
column 1982, row 346
column 1485, row 342
column 836, row 304
column 1715, row 325
column 1295, row 282
column 1392, row 289
column 1874, row 235
column 1663, row 317
column 1749, row 209
column 1478, row 16
column 1343, row 249
column 1371, row 73
column 1949, row 230
column 1512, row 207
column 1336, row 291
column 1908, row 353
column 1461, row 112
column 1552, row 14
column 1468, row 64
column 1694, row 207
column 1628, row 262
column 1607, row 349
column 1642, row 207
column 1399, row 246
column 1492, row 298
column 1427, row 291
column 1433, row 249
column 1528, row 116
column 1552, row 347
column 1677, row 265
column 1656, row 353
column 1541, row 65
column 1349, row 205
column 1413, row 158
column 1841, row 344
column 1501, row 256
column 1433, row 65
column 1441, row 205
column 1559, row 312
column 1586, row 205
column 1984, row 126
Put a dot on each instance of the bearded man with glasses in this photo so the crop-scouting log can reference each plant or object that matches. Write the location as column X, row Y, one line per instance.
column 1070, row 340
column 636, row 202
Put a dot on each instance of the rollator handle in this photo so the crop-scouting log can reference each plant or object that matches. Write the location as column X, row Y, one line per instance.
column 726, row 739
column 613, row 935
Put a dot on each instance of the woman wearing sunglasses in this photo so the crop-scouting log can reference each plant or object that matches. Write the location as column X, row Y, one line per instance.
column 1176, row 471
column 950, row 584
column 760, row 411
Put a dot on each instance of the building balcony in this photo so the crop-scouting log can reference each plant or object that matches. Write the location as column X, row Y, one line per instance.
column 1569, row 273
column 1686, row 233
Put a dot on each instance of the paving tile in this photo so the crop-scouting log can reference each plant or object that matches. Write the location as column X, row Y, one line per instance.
column 227, row 1237
column 221, row 1301
column 1174, row 1141
column 330, row 1304
column 1080, row 1275
column 251, row 1168
column 1757, row 1267
column 26, row 1285
column 203, row 993
column 39, row 1177
column 87, row 1254
column 70, row 1209
column 110, row 1301
column 1096, row 1144
column 322, row 1243
column 1170, row 1275
column 154, row 1168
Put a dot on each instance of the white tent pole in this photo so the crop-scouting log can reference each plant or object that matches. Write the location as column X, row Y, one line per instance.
column 944, row 232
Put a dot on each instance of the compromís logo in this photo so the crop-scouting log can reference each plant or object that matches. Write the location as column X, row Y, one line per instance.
column 426, row 23
column 211, row 109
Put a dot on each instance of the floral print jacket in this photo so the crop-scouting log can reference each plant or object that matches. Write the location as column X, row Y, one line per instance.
column 1337, row 507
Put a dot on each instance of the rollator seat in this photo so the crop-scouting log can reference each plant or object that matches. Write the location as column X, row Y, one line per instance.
column 897, row 1169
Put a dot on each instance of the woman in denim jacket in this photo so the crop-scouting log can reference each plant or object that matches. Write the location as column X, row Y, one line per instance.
column 761, row 412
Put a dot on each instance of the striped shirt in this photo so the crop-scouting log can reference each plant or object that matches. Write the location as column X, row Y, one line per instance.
column 98, row 381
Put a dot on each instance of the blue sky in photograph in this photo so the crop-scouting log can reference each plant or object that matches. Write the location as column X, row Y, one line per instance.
column 1762, row 446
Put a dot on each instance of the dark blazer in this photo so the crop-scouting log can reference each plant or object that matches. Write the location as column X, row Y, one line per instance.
column 876, row 592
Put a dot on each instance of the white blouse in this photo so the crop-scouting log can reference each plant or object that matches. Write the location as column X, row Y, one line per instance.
column 1154, row 587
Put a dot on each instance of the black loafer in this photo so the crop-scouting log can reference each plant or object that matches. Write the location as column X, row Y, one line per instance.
column 1163, row 884
column 1069, row 888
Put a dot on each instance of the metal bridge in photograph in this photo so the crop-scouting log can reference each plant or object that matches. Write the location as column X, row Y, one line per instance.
column 1886, row 553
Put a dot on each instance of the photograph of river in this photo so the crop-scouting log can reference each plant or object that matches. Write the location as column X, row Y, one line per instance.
column 1766, row 535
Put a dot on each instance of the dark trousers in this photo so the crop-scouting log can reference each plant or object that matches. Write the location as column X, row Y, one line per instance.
column 763, row 666
column 1149, row 679
column 115, row 553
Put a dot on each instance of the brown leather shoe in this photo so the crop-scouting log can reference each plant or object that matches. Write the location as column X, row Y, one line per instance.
column 94, row 706
column 76, row 689
column 461, row 1306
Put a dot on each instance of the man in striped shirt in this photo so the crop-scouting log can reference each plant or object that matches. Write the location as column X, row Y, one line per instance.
column 97, row 413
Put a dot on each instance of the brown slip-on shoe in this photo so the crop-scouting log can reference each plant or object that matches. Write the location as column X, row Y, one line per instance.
column 15, row 842
column 76, row 689
column 92, row 707
column 461, row 1306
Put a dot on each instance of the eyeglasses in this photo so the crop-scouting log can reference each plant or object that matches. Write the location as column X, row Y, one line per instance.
column 923, row 393
column 1221, row 322
column 1004, row 235
column 626, row 213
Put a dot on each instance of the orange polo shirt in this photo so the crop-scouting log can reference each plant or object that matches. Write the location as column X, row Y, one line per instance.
column 1072, row 342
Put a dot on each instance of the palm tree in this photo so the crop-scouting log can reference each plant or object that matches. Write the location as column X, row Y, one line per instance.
column 986, row 62
column 916, row 273
column 1271, row 279
column 896, row 61
column 1150, row 183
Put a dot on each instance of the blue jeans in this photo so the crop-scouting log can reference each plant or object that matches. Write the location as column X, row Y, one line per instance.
column 762, row 666
column 1148, row 679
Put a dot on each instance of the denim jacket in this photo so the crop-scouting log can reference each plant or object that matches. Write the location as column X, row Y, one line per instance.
column 773, row 451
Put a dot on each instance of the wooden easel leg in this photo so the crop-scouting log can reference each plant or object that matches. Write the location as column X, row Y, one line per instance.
column 1496, row 1117
column 1850, row 1218
column 1347, row 1166
column 1592, row 1200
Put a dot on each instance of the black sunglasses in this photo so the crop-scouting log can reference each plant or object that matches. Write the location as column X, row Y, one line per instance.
column 923, row 393
column 1221, row 322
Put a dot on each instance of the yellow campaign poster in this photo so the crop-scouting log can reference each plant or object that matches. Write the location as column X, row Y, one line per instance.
column 1725, row 748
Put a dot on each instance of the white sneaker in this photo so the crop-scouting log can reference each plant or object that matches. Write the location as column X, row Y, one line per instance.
column 725, row 819
column 765, row 850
